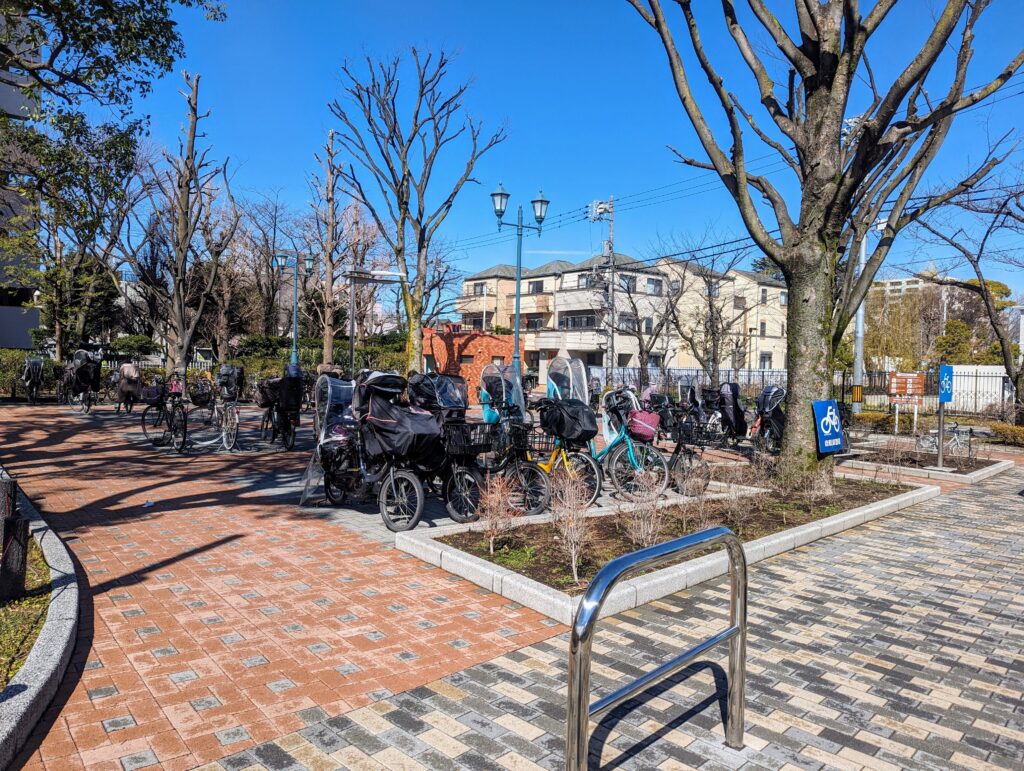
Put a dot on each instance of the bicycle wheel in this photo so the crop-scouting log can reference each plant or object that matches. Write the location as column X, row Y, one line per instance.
column 690, row 475
column 400, row 500
column 583, row 467
column 87, row 402
column 177, row 422
column 268, row 429
column 229, row 428
column 154, row 424
column 335, row 493
column 287, row 432
column 207, row 424
column 531, row 489
column 462, row 493
column 646, row 471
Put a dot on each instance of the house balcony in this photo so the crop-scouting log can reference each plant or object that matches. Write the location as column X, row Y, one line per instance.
column 475, row 303
column 538, row 302
column 570, row 339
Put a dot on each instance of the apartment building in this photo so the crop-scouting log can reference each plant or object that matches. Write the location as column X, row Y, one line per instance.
column 655, row 311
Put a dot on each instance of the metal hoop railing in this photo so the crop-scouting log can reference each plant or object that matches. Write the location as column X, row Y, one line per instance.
column 580, row 711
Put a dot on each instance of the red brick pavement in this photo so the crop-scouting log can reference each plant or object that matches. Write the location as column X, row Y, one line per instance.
column 221, row 605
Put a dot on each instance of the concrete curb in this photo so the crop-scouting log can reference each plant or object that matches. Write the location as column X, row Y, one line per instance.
column 643, row 589
column 923, row 473
column 27, row 696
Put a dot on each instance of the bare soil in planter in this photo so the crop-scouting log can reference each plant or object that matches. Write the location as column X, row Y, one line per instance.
column 533, row 550
column 912, row 459
column 21, row 619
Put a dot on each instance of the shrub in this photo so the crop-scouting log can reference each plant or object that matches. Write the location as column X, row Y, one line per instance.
column 642, row 518
column 569, row 518
column 494, row 509
column 1008, row 434
column 135, row 346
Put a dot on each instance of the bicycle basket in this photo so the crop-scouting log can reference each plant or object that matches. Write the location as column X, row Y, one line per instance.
column 153, row 394
column 541, row 444
column 176, row 387
column 200, row 394
column 518, row 437
column 468, row 439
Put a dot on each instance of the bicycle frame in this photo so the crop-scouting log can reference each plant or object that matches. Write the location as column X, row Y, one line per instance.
column 622, row 436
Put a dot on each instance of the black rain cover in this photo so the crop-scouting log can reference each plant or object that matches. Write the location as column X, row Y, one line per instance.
column 87, row 378
column 404, row 432
column 33, row 372
column 569, row 419
column 732, row 412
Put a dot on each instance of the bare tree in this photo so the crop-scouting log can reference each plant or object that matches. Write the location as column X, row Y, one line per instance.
column 396, row 138
column 268, row 227
column 978, row 242
column 709, row 315
column 846, row 179
column 326, row 237
column 183, row 215
column 644, row 303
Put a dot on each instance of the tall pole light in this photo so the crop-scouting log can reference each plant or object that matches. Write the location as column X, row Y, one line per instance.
column 279, row 262
column 858, row 329
column 499, row 200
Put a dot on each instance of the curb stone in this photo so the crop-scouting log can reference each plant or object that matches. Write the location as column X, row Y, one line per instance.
column 929, row 473
column 638, row 591
column 24, row 700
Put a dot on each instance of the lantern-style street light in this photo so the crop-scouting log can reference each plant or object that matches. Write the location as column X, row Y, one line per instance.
column 499, row 199
column 278, row 262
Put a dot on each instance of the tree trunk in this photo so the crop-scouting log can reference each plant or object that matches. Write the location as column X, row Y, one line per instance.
column 414, row 343
column 809, row 352
column 1018, row 402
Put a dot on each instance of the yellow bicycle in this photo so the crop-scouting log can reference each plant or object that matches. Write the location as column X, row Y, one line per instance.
column 571, row 462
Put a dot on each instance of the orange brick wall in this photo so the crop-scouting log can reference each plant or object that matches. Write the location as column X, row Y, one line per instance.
column 448, row 347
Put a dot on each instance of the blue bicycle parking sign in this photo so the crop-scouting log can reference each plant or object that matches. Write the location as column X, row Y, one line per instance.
column 828, row 426
column 945, row 384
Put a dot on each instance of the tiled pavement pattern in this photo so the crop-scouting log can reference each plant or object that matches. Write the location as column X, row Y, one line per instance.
column 899, row 644
column 219, row 617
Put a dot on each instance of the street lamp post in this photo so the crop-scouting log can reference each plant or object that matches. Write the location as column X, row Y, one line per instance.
column 363, row 277
column 499, row 198
column 278, row 262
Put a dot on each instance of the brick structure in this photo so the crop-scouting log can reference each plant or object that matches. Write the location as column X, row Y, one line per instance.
column 456, row 352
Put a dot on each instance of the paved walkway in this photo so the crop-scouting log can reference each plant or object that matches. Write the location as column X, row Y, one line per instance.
column 218, row 617
column 899, row 644
column 226, row 626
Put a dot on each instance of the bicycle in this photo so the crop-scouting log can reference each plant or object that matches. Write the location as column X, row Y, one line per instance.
column 626, row 459
column 960, row 443
column 165, row 418
column 216, row 422
column 561, row 455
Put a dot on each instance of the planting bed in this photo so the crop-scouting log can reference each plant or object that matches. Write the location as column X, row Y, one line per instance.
column 21, row 619
column 532, row 550
column 914, row 459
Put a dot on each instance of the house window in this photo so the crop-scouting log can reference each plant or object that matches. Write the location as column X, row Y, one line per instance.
column 533, row 321
column 627, row 323
column 654, row 286
column 497, row 360
column 648, row 326
column 783, row 298
column 714, row 289
column 739, row 302
column 535, row 287
column 476, row 322
column 465, row 360
column 479, row 289
column 783, row 330
column 584, row 320
column 764, row 329
column 676, row 286
column 654, row 360
column 764, row 296
column 766, row 361
column 627, row 283
column 594, row 359
column 584, row 281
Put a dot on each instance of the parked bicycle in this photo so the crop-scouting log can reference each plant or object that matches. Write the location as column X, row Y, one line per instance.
column 32, row 377
column 770, row 423
column 504, row 406
column 689, row 473
column 214, row 416
column 281, row 400
column 957, row 442
column 82, row 381
column 568, row 424
column 164, row 420
column 629, row 452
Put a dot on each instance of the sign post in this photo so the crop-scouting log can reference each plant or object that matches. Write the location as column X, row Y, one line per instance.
column 828, row 427
column 905, row 388
column 945, row 396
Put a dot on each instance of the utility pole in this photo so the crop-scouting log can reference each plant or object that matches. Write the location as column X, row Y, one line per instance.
column 858, row 334
column 598, row 210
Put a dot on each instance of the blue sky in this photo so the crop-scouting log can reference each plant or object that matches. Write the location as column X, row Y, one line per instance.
column 582, row 87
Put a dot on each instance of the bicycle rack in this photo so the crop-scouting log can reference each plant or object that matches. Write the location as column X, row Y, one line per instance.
column 580, row 711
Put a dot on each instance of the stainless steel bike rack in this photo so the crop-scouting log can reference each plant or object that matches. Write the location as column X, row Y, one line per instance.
column 580, row 711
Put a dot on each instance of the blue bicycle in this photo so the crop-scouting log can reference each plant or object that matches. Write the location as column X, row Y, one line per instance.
column 635, row 466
